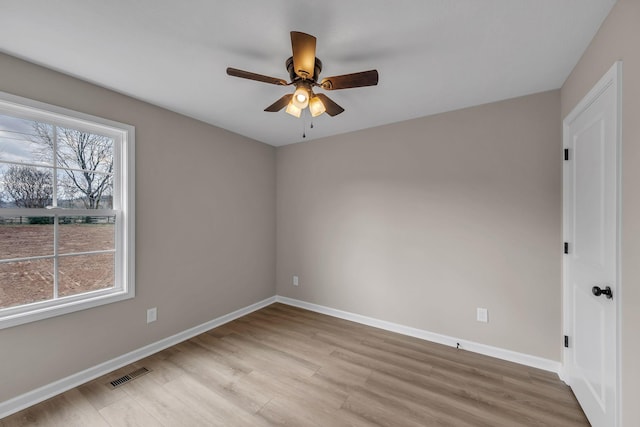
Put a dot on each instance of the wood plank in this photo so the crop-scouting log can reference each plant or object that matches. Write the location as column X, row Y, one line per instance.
column 128, row 413
column 69, row 409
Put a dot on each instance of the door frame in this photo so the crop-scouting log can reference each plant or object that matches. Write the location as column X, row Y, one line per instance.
column 613, row 77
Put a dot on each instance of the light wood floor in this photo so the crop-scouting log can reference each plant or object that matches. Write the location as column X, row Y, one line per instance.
column 286, row 366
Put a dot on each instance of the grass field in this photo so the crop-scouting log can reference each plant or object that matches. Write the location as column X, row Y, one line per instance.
column 30, row 281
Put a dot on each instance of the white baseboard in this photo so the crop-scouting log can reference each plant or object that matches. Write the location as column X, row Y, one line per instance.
column 38, row 395
column 562, row 374
column 499, row 353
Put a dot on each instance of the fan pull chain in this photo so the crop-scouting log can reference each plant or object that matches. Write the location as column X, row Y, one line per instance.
column 304, row 125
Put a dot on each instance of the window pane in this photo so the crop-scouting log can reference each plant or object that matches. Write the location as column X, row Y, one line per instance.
column 23, row 186
column 84, row 273
column 86, row 233
column 83, row 150
column 25, row 282
column 25, row 141
column 85, row 190
column 22, row 237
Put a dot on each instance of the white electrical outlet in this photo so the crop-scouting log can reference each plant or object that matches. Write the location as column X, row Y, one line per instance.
column 482, row 315
column 295, row 281
column 152, row 314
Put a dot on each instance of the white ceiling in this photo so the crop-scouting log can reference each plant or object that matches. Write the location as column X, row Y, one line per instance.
column 432, row 55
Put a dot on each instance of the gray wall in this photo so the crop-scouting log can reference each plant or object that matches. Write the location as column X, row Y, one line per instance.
column 205, row 234
column 618, row 38
column 420, row 222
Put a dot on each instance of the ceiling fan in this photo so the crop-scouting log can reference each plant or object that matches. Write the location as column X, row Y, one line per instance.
column 304, row 70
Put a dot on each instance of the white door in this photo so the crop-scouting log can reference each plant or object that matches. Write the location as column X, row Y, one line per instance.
column 591, row 227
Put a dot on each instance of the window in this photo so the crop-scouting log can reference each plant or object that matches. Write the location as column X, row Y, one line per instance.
column 66, row 211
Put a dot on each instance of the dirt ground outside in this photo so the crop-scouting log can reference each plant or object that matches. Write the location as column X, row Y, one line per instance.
column 23, row 282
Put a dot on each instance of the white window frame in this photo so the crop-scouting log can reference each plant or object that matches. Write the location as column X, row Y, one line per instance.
column 123, row 206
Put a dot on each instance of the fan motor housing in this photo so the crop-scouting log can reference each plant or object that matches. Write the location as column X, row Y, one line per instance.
column 292, row 73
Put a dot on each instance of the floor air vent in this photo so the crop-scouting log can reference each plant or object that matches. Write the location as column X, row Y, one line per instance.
column 130, row 376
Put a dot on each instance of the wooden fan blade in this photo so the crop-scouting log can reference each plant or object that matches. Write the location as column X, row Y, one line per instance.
column 279, row 104
column 304, row 54
column 346, row 81
column 253, row 76
column 333, row 109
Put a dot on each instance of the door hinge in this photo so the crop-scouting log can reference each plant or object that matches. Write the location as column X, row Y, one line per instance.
column 566, row 247
column 566, row 341
column 566, row 154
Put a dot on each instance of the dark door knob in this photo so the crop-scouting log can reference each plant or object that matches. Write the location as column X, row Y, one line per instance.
column 606, row 291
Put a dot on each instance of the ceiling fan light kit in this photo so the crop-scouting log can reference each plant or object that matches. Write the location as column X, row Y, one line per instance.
column 304, row 70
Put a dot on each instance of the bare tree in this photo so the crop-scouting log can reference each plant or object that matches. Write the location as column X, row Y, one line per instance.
column 86, row 160
column 28, row 186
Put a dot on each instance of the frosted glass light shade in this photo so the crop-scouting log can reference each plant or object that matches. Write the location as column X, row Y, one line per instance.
column 300, row 98
column 293, row 110
column 316, row 107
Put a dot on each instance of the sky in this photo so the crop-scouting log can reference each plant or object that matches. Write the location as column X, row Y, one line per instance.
column 15, row 143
